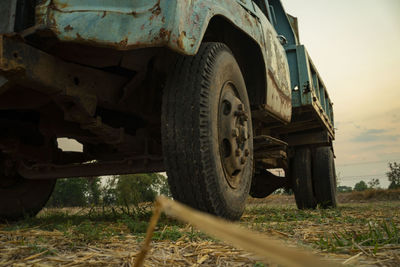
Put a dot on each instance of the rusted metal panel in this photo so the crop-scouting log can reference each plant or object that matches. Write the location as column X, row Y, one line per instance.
column 279, row 91
column 177, row 24
column 127, row 24
column 25, row 65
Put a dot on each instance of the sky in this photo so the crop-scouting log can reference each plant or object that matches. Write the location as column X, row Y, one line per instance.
column 355, row 45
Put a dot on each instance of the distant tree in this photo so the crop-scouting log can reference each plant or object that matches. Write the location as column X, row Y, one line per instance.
column 69, row 193
column 133, row 189
column 76, row 192
column 94, row 191
column 394, row 175
column 108, row 191
column 374, row 184
column 136, row 188
column 164, row 186
column 344, row 189
column 338, row 178
column 360, row 186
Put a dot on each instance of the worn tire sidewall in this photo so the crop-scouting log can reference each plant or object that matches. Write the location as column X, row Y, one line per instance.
column 302, row 178
column 324, row 177
column 226, row 69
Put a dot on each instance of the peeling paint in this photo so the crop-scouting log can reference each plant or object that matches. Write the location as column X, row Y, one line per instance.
column 165, row 34
column 180, row 42
column 68, row 28
column 123, row 42
column 156, row 9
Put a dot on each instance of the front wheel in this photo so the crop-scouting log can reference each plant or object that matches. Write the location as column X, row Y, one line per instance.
column 207, row 132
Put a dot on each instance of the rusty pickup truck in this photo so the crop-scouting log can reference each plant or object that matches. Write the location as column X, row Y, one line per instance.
column 216, row 94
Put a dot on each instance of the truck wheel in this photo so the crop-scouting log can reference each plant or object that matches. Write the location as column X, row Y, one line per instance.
column 20, row 197
column 302, row 183
column 207, row 132
column 324, row 177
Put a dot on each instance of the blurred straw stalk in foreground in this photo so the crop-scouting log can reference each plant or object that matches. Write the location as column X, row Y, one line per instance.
column 266, row 248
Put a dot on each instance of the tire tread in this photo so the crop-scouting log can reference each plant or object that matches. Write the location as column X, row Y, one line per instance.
column 186, row 138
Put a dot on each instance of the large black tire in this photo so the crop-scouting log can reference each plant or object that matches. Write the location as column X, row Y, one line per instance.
column 207, row 132
column 20, row 197
column 302, row 183
column 324, row 177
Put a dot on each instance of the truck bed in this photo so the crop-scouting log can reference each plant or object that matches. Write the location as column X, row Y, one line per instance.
column 309, row 91
column 312, row 108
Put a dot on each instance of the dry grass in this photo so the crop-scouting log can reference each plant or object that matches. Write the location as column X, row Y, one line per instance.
column 354, row 233
column 25, row 249
column 371, row 195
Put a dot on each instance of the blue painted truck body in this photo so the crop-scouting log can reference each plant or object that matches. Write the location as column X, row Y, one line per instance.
column 177, row 24
column 181, row 24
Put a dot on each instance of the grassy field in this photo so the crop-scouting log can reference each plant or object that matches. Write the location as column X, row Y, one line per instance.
column 363, row 232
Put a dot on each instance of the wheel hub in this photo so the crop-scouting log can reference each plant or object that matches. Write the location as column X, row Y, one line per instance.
column 233, row 135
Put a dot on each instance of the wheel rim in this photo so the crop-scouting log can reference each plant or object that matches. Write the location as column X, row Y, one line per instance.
column 233, row 134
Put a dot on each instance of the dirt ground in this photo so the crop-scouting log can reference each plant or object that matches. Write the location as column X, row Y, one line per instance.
column 365, row 232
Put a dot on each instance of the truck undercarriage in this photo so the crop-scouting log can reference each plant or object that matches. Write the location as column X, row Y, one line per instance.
column 115, row 114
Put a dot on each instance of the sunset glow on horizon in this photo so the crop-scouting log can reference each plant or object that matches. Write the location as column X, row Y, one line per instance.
column 355, row 46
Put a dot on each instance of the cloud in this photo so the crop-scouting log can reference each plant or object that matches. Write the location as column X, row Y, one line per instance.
column 375, row 135
column 395, row 119
column 376, row 147
column 375, row 131
column 346, row 124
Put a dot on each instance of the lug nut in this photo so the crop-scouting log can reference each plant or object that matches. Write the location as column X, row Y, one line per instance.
column 238, row 152
column 244, row 135
column 235, row 132
column 242, row 161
